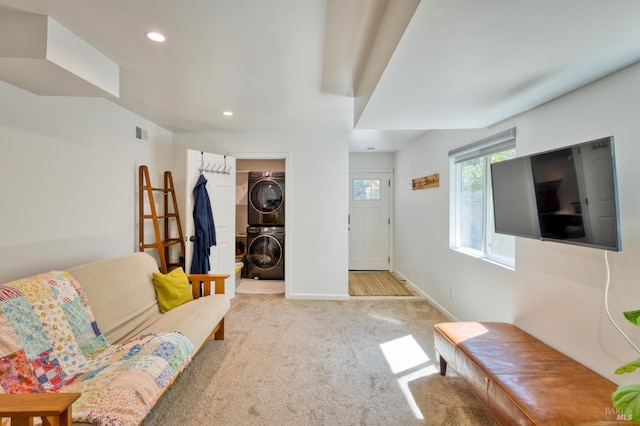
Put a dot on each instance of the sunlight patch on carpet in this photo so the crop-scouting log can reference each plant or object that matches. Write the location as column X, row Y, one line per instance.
column 404, row 387
column 403, row 353
column 388, row 319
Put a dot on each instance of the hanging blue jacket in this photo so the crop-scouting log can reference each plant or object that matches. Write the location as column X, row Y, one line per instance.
column 205, row 230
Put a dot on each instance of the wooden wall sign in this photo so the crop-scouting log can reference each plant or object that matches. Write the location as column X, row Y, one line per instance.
column 431, row 181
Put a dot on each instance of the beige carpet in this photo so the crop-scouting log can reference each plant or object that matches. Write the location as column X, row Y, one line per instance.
column 251, row 286
column 311, row 362
column 376, row 283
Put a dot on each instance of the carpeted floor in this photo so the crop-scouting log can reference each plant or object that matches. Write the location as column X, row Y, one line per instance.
column 315, row 362
column 250, row 286
column 376, row 283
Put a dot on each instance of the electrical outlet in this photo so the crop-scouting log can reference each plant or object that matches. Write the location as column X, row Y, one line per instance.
column 451, row 295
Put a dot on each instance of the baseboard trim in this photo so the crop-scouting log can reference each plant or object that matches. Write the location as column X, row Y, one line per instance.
column 435, row 304
column 308, row 296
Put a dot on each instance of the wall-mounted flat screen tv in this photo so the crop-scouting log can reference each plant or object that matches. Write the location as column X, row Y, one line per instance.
column 567, row 195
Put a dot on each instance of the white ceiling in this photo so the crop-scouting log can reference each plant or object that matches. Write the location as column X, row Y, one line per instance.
column 395, row 68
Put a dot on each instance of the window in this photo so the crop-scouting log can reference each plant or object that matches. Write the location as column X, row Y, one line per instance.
column 472, row 224
column 366, row 189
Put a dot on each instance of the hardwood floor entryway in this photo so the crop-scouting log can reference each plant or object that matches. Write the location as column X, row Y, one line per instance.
column 377, row 283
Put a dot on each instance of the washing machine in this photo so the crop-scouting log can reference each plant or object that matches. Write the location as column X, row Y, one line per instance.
column 265, row 252
column 266, row 198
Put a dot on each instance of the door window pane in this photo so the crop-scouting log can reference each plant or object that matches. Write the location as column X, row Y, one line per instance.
column 366, row 189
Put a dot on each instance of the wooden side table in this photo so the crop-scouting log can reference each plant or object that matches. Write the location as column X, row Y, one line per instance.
column 53, row 408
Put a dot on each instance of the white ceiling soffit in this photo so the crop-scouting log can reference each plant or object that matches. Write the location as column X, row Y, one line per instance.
column 470, row 64
column 359, row 38
column 40, row 55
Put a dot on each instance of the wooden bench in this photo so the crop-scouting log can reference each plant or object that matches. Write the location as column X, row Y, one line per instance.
column 521, row 380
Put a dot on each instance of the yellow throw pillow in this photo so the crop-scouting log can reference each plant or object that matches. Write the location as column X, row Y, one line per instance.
column 172, row 289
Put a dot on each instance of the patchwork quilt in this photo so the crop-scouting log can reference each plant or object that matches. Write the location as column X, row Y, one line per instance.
column 50, row 342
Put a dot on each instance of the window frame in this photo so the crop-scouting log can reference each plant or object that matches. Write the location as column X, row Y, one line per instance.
column 484, row 149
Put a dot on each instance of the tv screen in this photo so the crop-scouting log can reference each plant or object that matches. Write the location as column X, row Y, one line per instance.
column 567, row 195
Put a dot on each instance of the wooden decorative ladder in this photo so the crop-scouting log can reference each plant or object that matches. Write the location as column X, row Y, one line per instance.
column 169, row 215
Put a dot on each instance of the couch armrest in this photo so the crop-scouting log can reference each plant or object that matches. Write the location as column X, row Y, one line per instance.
column 54, row 408
column 204, row 280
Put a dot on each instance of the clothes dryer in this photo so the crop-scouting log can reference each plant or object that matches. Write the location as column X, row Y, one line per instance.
column 266, row 198
column 265, row 252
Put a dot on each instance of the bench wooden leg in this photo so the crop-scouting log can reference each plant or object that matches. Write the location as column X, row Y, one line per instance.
column 443, row 366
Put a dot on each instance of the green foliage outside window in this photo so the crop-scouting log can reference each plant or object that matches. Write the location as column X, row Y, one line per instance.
column 473, row 175
column 474, row 209
column 473, row 170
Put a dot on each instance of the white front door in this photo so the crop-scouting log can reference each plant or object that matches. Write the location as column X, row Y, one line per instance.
column 369, row 221
column 220, row 172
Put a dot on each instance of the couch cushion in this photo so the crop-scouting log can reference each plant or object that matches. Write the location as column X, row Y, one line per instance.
column 189, row 319
column 120, row 291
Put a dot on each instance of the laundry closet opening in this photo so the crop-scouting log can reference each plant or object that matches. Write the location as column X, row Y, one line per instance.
column 260, row 226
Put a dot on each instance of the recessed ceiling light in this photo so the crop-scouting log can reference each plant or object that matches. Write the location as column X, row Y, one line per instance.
column 156, row 36
column 227, row 113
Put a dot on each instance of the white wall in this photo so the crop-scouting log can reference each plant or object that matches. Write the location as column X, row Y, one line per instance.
column 556, row 291
column 316, row 244
column 68, row 175
column 371, row 160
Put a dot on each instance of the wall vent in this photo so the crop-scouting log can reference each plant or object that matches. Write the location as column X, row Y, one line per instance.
column 141, row 134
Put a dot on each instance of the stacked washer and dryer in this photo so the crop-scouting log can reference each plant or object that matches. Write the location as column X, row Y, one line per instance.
column 265, row 230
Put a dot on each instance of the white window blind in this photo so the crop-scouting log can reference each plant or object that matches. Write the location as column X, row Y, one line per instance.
column 499, row 142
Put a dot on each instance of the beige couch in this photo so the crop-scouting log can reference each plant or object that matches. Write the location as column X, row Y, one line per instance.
column 121, row 295
column 123, row 300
